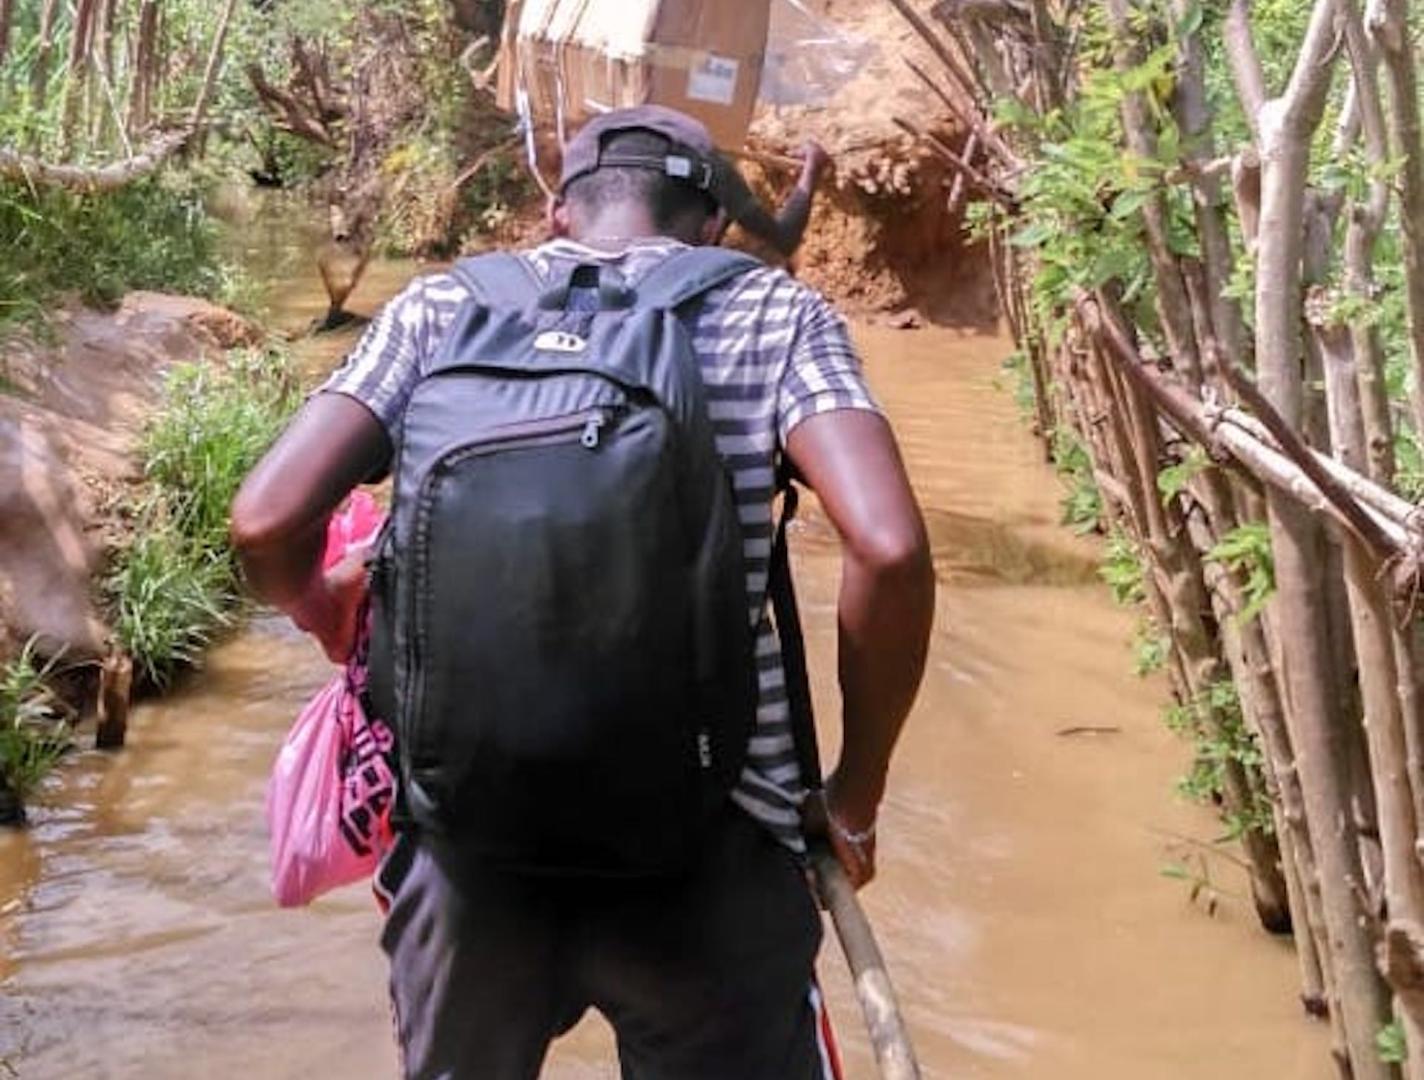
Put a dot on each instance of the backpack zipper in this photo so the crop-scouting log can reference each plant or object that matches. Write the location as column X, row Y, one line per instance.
column 586, row 426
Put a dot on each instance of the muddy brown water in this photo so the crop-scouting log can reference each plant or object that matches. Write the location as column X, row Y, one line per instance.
column 1021, row 902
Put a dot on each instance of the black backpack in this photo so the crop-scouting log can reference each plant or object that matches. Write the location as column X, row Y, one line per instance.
column 561, row 627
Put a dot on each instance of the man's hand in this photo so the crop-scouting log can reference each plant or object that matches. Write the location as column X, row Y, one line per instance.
column 851, row 831
column 330, row 607
column 815, row 165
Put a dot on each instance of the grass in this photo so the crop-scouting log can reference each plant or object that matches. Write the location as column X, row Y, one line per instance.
column 33, row 732
column 175, row 586
column 153, row 234
column 215, row 421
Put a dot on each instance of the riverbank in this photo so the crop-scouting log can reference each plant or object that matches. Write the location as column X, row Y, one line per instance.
column 125, row 434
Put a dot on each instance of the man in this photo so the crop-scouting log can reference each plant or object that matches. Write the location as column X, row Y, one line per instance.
column 707, row 974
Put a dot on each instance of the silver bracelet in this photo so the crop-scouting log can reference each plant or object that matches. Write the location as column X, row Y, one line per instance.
column 855, row 839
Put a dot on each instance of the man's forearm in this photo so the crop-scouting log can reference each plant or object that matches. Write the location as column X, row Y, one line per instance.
column 282, row 573
column 793, row 217
column 886, row 612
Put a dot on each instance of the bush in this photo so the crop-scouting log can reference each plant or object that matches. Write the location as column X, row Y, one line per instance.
column 33, row 734
column 153, row 234
column 170, row 597
column 175, row 586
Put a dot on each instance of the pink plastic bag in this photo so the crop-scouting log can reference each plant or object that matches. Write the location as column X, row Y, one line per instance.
column 353, row 526
column 330, row 795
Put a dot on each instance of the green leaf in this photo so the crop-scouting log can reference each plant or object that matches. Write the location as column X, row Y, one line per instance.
column 1173, row 480
column 1390, row 1043
column 1034, row 235
column 1129, row 203
column 1189, row 23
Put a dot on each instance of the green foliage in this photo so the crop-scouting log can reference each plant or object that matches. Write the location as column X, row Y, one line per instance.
column 153, row 234
column 1390, row 1043
column 1173, row 480
column 1122, row 569
column 1215, row 725
column 1246, row 552
column 216, row 421
column 1409, row 478
column 1151, row 648
column 1082, row 202
column 33, row 734
column 1020, row 381
column 175, row 586
column 1082, row 504
column 169, row 597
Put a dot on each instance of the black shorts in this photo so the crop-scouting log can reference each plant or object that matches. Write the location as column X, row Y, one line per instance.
column 703, row 977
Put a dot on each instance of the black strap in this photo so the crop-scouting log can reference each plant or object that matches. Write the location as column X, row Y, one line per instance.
column 499, row 280
column 793, row 644
column 688, row 274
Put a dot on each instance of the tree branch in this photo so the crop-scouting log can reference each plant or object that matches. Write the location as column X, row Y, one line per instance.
column 17, row 166
column 1246, row 68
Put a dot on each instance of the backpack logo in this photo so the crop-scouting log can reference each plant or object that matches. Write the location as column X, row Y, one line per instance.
column 560, row 341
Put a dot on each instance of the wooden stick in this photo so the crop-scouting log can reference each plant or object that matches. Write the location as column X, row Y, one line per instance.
column 761, row 157
column 1268, row 463
column 1294, row 447
column 938, row 47
column 974, row 176
column 481, row 161
column 969, row 117
column 888, row 1036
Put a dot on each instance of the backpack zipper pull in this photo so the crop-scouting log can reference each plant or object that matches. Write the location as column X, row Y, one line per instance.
column 591, row 431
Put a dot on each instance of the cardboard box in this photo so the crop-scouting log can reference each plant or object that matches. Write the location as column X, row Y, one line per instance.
column 576, row 58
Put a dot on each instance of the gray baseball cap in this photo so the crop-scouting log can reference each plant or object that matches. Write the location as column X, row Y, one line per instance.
column 691, row 154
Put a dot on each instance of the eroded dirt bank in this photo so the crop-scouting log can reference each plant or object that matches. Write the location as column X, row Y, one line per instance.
column 72, row 405
column 1020, row 902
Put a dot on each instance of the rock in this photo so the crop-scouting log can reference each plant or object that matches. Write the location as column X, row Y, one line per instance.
column 46, row 557
column 223, row 328
column 909, row 319
column 70, row 417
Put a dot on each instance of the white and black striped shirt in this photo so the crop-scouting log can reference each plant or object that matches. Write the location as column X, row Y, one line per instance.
column 772, row 352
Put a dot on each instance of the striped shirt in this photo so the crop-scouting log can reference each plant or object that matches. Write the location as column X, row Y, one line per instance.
column 772, row 353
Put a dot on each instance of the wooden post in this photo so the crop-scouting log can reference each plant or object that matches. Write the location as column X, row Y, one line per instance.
column 115, row 691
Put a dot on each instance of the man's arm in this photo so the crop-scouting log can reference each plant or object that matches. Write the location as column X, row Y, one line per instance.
column 280, row 515
column 785, row 230
column 850, row 459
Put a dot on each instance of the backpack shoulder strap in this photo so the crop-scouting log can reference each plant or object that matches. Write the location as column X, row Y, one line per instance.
column 688, row 274
column 500, row 279
column 782, row 591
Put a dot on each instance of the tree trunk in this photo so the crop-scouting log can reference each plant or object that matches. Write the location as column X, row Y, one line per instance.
column 1318, row 733
column 39, row 71
column 142, row 76
column 104, row 117
column 7, row 21
column 1388, row 24
column 77, row 71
